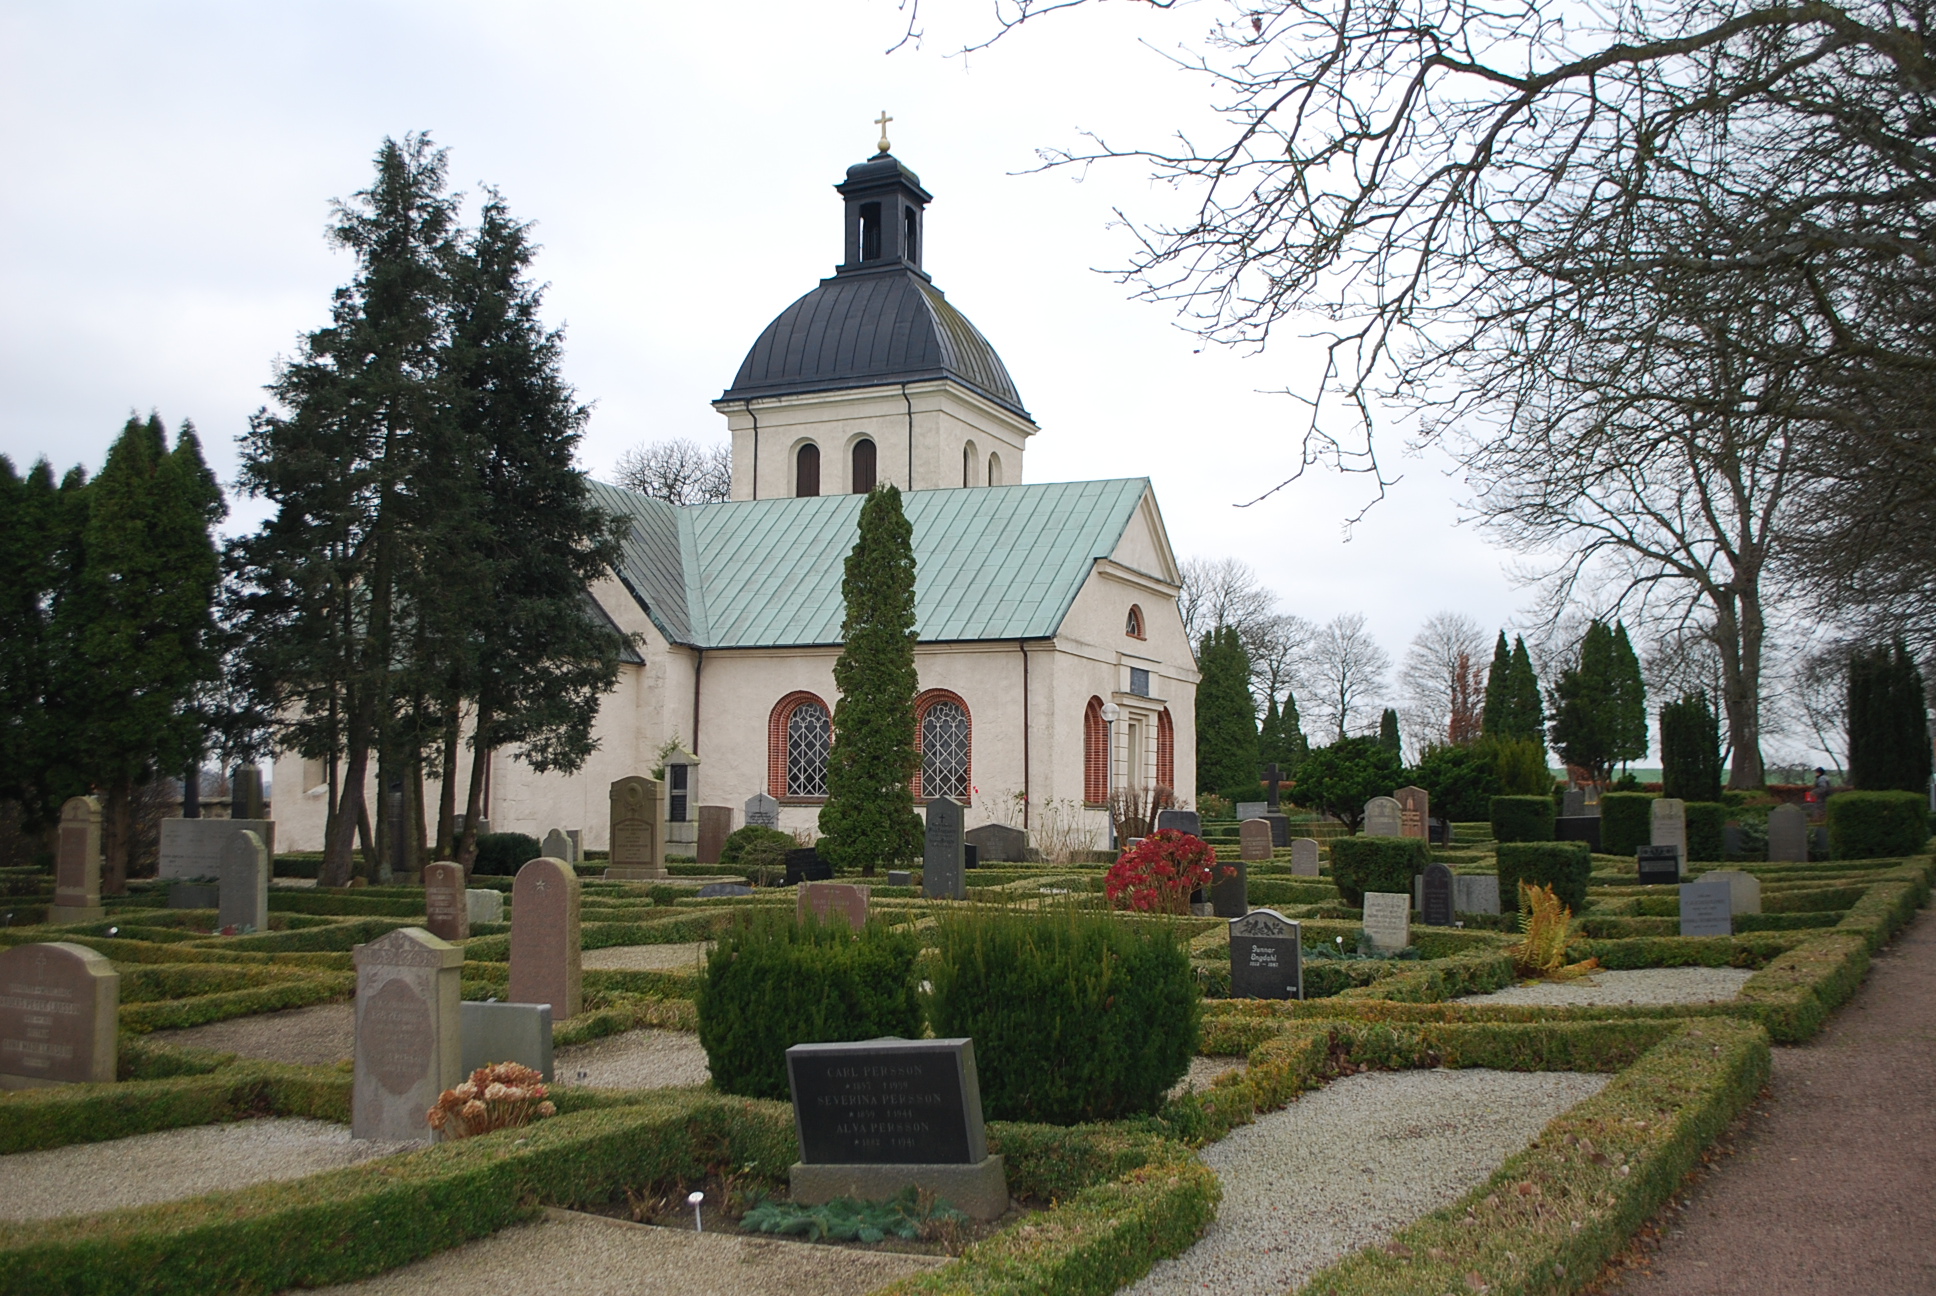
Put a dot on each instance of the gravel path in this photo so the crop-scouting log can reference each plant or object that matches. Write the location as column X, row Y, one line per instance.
column 584, row 1255
column 1636, row 986
column 640, row 1059
column 686, row 957
column 1205, row 1070
column 87, row 1177
column 1350, row 1164
column 321, row 1035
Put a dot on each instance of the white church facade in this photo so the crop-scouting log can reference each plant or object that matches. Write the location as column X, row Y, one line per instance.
column 1053, row 662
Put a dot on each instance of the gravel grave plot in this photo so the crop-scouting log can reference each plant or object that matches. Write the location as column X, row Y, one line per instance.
column 574, row 1254
column 87, row 1177
column 1635, row 986
column 685, row 957
column 639, row 1059
column 320, row 1035
column 1348, row 1165
column 1204, row 1071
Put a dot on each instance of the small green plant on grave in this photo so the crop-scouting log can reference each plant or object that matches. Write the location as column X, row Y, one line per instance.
column 1363, row 950
column 844, row 1219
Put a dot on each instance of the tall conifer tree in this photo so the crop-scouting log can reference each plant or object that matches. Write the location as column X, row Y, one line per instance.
column 869, row 816
column 32, row 526
column 1227, row 752
column 1629, row 699
column 1495, row 717
column 1528, row 714
column 1889, row 745
column 1388, row 732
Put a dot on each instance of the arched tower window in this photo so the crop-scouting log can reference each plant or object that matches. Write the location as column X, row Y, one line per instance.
column 1133, row 626
column 943, row 732
column 799, row 737
column 910, row 247
column 1165, row 749
column 870, row 231
column 994, row 469
column 864, row 454
column 970, row 465
column 1095, row 754
column 806, row 471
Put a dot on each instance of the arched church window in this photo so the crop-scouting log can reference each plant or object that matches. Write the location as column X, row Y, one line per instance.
column 1095, row 754
column 1166, row 749
column 806, row 471
column 970, row 464
column 912, row 222
column 799, row 740
column 863, row 466
column 994, row 469
column 1133, row 627
column 870, row 231
column 943, row 733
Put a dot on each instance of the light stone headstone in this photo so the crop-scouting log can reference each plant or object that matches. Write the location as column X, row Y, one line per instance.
column 58, row 1023
column 1707, row 909
column 715, row 826
column 1476, row 892
column 1383, row 817
column 828, row 901
column 1744, row 889
column 244, row 879
column 1670, row 826
column 1438, row 901
column 943, row 863
column 635, row 833
column 1254, row 839
column 447, row 910
column 192, row 848
column 1266, row 960
column 1304, row 857
column 483, row 905
column 546, row 960
column 556, row 845
column 507, row 1032
column 761, row 811
column 409, row 1041
column 577, row 838
column 1414, row 812
column 1388, row 919
column 1788, row 834
column 998, row 842
column 77, row 864
column 1251, row 810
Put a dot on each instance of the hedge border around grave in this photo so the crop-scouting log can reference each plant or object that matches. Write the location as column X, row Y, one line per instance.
column 63, row 1115
column 199, row 1010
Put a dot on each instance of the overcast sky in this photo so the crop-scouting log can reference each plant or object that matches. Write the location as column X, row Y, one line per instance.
column 168, row 170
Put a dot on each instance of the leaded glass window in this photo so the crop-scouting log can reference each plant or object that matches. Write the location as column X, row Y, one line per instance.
column 944, row 751
column 809, row 739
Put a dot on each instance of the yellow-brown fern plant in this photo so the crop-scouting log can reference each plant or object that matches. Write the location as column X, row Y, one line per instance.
column 1544, row 925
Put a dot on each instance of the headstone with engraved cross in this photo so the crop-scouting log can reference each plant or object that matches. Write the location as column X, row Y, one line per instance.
column 546, row 960
column 762, row 811
column 1383, row 817
column 1414, row 812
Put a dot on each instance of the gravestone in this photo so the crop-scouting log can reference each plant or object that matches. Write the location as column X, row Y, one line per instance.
column 556, row 845
column 506, row 1032
column 805, row 865
column 1707, row 909
column 1439, row 895
column 762, row 811
column 576, row 836
column 1251, row 810
column 1254, row 840
column 1670, row 826
column 192, row 848
column 1183, row 821
column 1575, row 803
column 1272, row 777
column 447, row 910
column 635, row 831
column 1229, row 891
column 243, row 900
column 483, row 905
column 1658, row 865
column 681, row 810
column 1580, row 828
column 1266, row 960
column 880, row 1116
column 970, row 855
column 1744, row 889
column 545, row 956
column 1388, row 919
column 828, row 901
column 942, row 861
column 999, row 843
column 58, row 1024
column 1441, row 832
column 1788, row 834
column 1383, row 817
column 77, row 865
column 900, row 877
column 1280, row 826
column 245, row 793
column 409, row 1043
column 1414, row 811
column 1476, row 893
column 1304, row 858
column 720, row 890
column 715, row 826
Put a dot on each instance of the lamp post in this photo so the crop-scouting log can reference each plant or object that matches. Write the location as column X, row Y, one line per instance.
column 1109, row 713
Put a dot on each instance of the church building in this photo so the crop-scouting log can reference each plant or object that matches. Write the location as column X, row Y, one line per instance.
column 1053, row 662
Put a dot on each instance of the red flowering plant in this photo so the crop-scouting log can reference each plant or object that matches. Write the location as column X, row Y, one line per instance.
column 1158, row 874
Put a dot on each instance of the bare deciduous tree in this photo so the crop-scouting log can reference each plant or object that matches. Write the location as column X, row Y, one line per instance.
column 681, row 471
column 1277, row 646
column 1222, row 592
column 1346, row 673
column 1436, row 676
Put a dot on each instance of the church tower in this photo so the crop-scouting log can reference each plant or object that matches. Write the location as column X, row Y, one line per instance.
column 873, row 377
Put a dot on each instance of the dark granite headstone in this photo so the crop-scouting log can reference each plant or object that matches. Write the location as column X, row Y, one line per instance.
column 1229, row 894
column 1580, row 828
column 887, row 1102
column 1266, row 961
column 1441, row 832
column 1707, row 909
column 999, row 843
column 1185, row 821
column 1439, row 896
column 942, row 857
column 900, row 877
column 1280, row 826
column 1658, row 865
column 716, row 890
column 1788, row 834
column 970, row 855
column 243, row 893
column 807, row 866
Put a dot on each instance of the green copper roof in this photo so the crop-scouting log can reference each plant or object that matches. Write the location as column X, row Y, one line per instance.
column 993, row 562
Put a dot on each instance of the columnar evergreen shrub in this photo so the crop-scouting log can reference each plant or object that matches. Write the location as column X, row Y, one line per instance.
column 1361, row 864
column 1227, row 751
column 1462, row 780
column 772, row 982
column 1888, row 722
column 740, row 839
column 1705, row 821
column 1522, row 818
column 503, row 854
column 1564, row 866
column 1877, row 825
column 1626, row 822
column 1690, row 751
column 1076, row 1015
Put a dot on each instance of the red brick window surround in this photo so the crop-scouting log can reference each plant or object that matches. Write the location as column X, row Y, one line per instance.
column 796, row 753
column 943, row 734
column 1133, row 624
column 1095, row 754
column 1165, row 749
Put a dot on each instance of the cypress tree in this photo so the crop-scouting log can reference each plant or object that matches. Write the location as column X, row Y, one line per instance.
column 1495, row 714
column 32, row 526
column 1227, row 747
column 1690, row 749
column 1528, row 715
column 1889, row 747
column 1629, row 699
column 1388, row 732
column 1585, row 709
column 869, row 815
column 1280, row 740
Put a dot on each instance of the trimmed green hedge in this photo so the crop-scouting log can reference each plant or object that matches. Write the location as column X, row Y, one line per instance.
column 1522, row 818
column 1876, row 825
column 60, row 1115
column 1564, row 866
column 1705, row 821
column 1361, row 864
column 199, row 1010
column 1626, row 822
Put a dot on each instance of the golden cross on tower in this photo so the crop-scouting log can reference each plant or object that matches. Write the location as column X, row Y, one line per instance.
column 882, row 122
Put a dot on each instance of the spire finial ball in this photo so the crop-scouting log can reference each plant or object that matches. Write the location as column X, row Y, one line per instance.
column 882, row 122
